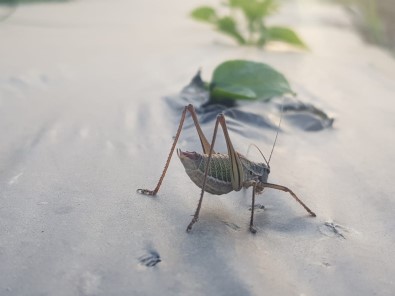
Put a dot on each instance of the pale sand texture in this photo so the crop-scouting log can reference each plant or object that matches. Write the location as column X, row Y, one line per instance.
column 84, row 123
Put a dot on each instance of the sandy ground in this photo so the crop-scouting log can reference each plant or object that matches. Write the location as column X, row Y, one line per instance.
column 84, row 122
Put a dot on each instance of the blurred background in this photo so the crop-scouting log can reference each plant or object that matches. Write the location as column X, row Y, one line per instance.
column 374, row 19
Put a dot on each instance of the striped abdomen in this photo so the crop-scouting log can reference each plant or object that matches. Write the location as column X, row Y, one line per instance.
column 218, row 178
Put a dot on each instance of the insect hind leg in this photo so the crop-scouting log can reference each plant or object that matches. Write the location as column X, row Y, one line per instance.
column 236, row 166
column 203, row 140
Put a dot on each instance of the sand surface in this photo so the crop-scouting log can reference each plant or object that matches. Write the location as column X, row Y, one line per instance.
column 88, row 109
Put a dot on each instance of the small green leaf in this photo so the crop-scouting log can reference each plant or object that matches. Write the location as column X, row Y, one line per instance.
column 254, row 10
column 241, row 79
column 228, row 26
column 205, row 14
column 285, row 35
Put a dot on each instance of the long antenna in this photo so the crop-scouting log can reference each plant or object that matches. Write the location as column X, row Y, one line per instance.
column 248, row 150
column 278, row 129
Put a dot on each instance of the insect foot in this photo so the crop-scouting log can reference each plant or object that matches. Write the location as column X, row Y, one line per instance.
column 145, row 191
column 194, row 220
column 253, row 229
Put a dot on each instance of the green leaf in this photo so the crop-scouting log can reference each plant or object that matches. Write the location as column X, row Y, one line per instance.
column 228, row 26
column 254, row 9
column 205, row 14
column 285, row 35
column 232, row 91
column 239, row 79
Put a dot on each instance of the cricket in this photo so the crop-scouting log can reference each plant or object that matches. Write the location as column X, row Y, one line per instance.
column 221, row 173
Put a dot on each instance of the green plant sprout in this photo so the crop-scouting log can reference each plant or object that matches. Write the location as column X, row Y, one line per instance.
column 254, row 31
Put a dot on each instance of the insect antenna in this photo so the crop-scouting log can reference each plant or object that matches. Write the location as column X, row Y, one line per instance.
column 278, row 129
column 248, row 150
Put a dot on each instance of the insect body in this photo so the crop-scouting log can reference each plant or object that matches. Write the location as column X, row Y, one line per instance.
column 219, row 179
column 219, row 173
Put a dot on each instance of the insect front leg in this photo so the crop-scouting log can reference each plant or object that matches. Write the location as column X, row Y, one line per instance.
column 202, row 138
column 286, row 189
column 252, row 228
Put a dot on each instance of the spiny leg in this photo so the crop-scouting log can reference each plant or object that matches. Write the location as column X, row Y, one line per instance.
column 236, row 170
column 286, row 189
column 252, row 228
column 196, row 215
column 203, row 141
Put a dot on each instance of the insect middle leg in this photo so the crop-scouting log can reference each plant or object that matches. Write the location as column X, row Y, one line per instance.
column 202, row 138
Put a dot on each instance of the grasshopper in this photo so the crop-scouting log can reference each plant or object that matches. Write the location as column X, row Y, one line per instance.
column 220, row 173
